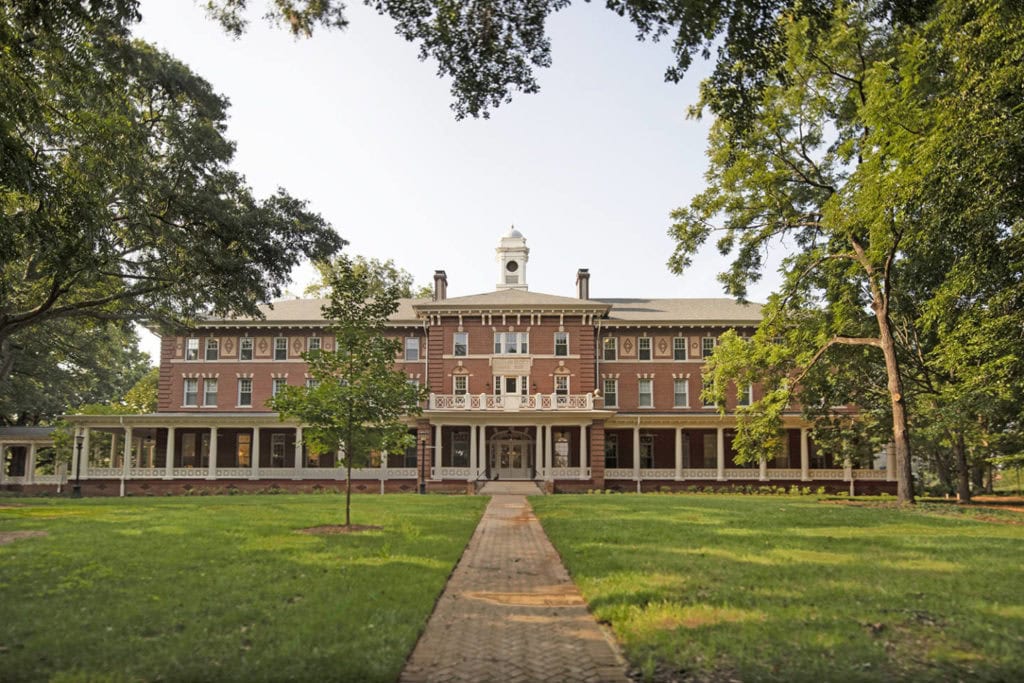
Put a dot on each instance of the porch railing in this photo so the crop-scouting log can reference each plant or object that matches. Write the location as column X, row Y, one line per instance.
column 511, row 402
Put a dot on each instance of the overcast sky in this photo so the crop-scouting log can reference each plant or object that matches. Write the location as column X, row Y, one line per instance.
column 588, row 169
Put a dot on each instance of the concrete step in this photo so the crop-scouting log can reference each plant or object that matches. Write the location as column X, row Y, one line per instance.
column 517, row 488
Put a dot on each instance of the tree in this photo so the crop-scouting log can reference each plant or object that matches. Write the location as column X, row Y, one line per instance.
column 381, row 275
column 116, row 195
column 847, row 155
column 63, row 364
column 358, row 401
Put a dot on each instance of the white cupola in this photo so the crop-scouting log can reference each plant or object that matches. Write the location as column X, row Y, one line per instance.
column 512, row 257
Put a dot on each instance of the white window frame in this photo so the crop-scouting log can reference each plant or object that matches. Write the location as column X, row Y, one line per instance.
column 411, row 345
column 745, row 396
column 276, row 384
column 706, row 352
column 464, row 344
column 685, row 384
column 614, row 403
column 192, row 349
column 278, row 441
column 511, row 343
column 564, row 337
column 241, row 438
column 245, row 347
column 610, row 344
column 677, row 347
column 646, row 453
column 611, row 443
column 644, row 345
column 212, row 345
column 460, row 380
column 314, row 343
column 704, row 403
column 242, row 381
column 312, row 382
column 562, row 380
column 193, row 383
column 278, row 347
column 206, row 392
column 640, row 392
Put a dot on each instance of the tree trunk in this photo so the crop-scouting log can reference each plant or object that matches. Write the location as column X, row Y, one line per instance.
column 963, row 482
column 977, row 471
column 900, row 431
column 942, row 471
column 348, row 489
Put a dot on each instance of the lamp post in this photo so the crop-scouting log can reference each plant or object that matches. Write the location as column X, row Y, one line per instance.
column 76, row 490
column 423, row 466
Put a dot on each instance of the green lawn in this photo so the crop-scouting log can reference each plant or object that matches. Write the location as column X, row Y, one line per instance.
column 792, row 589
column 222, row 588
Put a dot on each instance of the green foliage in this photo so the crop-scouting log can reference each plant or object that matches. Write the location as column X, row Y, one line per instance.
column 116, row 193
column 380, row 274
column 359, row 402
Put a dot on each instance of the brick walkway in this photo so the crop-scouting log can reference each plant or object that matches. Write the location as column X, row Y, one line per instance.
column 511, row 613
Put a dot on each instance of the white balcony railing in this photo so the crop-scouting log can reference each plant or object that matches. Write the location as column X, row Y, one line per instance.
column 511, row 402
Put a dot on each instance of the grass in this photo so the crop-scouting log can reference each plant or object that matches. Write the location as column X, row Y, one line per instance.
column 792, row 589
column 222, row 588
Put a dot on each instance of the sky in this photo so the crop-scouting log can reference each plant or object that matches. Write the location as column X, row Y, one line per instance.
column 588, row 169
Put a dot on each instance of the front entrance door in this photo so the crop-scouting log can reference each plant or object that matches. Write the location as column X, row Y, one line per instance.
column 510, row 456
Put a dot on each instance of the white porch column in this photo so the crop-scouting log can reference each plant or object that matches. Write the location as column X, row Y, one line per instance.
column 474, row 459
column 890, row 461
column 83, row 472
column 763, row 469
column 74, row 452
column 254, row 454
column 113, row 447
column 481, row 449
column 805, row 457
column 636, row 453
column 30, row 465
column 169, row 454
column 212, row 469
column 583, row 450
column 847, row 470
column 549, row 453
column 437, row 451
column 539, row 453
column 679, row 453
column 127, row 452
column 720, row 444
column 298, row 453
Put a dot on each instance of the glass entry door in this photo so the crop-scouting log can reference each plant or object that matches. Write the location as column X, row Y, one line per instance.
column 510, row 456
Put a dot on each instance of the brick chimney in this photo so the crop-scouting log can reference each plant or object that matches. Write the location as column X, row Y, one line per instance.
column 583, row 283
column 440, row 285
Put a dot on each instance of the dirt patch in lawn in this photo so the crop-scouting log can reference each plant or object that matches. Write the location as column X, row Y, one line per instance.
column 12, row 536
column 332, row 529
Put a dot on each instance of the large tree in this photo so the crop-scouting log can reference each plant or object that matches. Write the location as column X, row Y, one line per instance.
column 886, row 155
column 382, row 275
column 358, row 401
column 117, row 199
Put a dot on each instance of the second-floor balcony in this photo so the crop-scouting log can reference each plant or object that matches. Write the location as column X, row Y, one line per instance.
column 511, row 402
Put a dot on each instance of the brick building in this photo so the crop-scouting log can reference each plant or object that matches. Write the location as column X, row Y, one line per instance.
column 579, row 393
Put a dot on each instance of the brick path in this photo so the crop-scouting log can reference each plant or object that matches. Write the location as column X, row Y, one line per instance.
column 511, row 613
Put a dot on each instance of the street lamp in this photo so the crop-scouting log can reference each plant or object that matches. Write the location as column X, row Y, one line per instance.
column 76, row 490
column 423, row 466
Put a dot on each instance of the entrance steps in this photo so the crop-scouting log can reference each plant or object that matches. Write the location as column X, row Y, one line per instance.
column 516, row 488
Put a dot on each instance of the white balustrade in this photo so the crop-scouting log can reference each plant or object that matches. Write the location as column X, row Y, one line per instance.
column 184, row 472
column 783, row 473
column 874, row 475
column 106, row 472
column 401, row 473
column 146, row 472
column 618, row 473
column 741, row 473
column 700, row 473
column 232, row 472
column 822, row 475
column 570, row 473
column 657, row 473
column 511, row 402
column 50, row 479
column 458, row 473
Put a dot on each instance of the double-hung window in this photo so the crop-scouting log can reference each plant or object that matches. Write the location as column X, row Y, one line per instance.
column 610, row 348
column 280, row 348
column 679, row 348
column 210, row 392
column 212, row 349
column 313, row 344
column 707, row 346
column 460, row 385
column 412, row 349
column 192, row 348
column 611, row 393
column 279, row 383
column 562, row 385
column 245, row 392
column 745, row 395
column 643, row 348
column 277, row 450
column 681, row 393
column 561, row 343
column 646, row 393
column 460, row 344
column 191, row 397
column 245, row 348
column 312, row 383
column 705, row 401
column 506, row 343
